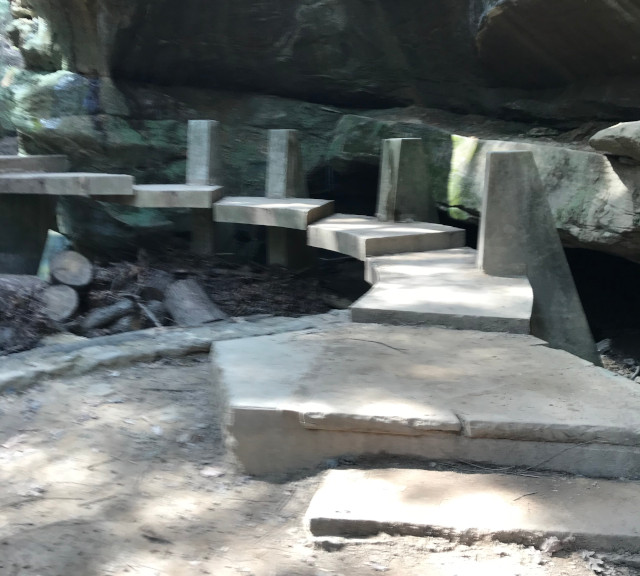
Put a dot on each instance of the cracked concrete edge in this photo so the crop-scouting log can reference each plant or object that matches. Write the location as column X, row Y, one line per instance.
column 25, row 369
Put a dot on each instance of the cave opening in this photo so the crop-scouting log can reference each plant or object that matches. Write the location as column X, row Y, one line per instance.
column 609, row 287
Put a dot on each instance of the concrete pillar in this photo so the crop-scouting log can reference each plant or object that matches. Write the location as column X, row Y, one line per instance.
column 285, row 173
column 518, row 236
column 403, row 190
column 288, row 248
column 285, row 179
column 204, row 168
column 509, row 182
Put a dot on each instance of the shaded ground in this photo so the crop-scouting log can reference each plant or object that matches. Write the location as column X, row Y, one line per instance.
column 124, row 472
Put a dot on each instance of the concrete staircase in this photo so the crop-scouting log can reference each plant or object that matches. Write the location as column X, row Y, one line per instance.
column 398, row 381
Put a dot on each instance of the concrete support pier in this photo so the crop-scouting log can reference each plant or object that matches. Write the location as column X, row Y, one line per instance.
column 403, row 190
column 204, row 168
column 518, row 237
column 285, row 179
column 288, row 248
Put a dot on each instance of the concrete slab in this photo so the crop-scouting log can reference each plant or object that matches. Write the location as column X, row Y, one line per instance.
column 66, row 184
column 403, row 190
column 285, row 173
column 600, row 515
column 295, row 213
column 45, row 163
column 443, row 288
column 291, row 401
column 171, row 196
column 364, row 236
column 518, row 235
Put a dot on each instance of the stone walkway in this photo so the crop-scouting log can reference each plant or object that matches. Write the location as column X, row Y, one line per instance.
column 295, row 400
column 19, row 371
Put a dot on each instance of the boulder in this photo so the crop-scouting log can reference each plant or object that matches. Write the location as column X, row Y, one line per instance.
column 620, row 140
column 33, row 38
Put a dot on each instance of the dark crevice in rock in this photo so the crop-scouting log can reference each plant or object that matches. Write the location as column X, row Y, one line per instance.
column 609, row 287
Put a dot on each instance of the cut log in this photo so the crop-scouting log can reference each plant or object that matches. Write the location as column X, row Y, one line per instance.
column 104, row 316
column 155, row 284
column 71, row 268
column 59, row 302
column 125, row 324
column 188, row 304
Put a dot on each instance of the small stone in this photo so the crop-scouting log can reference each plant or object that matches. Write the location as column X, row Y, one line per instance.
column 329, row 544
column 211, row 472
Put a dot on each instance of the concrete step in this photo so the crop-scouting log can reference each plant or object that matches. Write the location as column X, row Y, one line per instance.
column 171, row 196
column 444, row 288
column 581, row 513
column 295, row 213
column 365, row 236
column 293, row 401
column 66, row 184
column 44, row 163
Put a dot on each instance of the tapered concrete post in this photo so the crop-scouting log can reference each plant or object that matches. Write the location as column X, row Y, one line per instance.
column 518, row 236
column 204, row 168
column 403, row 190
column 285, row 173
column 509, row 179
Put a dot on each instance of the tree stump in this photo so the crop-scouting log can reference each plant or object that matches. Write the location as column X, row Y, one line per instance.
column 72, row 269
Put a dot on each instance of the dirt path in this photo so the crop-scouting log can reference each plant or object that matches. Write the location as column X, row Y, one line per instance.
column 123, row 472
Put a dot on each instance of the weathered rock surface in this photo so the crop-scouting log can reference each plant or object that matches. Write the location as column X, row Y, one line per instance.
column 471, row 55
column 620, row 140
column 529, row 43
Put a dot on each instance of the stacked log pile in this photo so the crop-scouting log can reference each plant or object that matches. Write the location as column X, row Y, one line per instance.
column 92, row 301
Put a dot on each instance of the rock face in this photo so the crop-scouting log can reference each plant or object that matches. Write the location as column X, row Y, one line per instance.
column 620, row 140
column 459, row 54
column 529, row 43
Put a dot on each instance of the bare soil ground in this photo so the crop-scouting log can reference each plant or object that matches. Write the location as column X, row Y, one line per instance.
column 124, row 472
